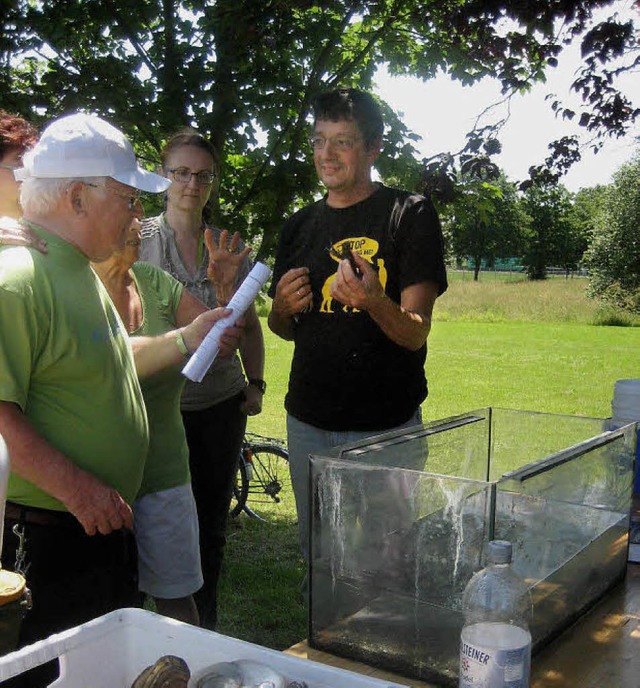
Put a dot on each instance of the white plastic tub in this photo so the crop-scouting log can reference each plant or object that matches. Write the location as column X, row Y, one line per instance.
column 110, row 651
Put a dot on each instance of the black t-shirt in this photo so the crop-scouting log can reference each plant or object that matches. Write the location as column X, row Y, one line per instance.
column 346, row 373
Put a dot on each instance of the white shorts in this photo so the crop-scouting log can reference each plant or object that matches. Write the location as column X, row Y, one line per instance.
column 165, row 524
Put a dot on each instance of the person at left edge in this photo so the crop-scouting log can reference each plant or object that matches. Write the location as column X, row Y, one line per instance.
column 150, row 303
column 16, row 137
column 71, row 409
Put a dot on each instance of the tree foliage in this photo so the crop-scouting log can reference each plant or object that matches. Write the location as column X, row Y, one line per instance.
column 245, row 73
column 588, row 204
column 614, row 255
column 485, row 222
column 553, row 234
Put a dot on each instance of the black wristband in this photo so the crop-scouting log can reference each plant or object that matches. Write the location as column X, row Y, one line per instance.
column 260, row 384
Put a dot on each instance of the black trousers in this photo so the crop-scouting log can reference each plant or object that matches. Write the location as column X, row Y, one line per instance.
column 215, row 437
column 73, row 578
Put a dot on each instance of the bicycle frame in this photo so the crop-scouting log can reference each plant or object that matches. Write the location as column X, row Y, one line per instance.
column 261, row 475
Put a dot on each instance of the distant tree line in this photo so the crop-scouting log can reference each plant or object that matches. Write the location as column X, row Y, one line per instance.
column 613, row 255
column 488, row 219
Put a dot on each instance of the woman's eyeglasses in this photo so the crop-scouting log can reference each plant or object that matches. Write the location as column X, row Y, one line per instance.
column 183, row 176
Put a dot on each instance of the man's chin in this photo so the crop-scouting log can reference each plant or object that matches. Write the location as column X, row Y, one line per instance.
column 119, row 247
column 331, row 182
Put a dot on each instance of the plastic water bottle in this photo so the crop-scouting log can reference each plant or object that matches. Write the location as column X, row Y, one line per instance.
column 625, row 409
column 495, row 643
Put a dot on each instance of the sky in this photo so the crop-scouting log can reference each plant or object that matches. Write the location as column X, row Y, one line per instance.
column 441, row 111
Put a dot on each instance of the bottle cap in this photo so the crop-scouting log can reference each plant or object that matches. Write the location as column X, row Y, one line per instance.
column 499, row 552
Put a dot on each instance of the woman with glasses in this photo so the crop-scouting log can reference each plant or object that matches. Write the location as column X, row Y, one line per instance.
column 214, row 411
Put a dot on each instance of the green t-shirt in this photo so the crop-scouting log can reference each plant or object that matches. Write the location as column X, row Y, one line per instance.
column 66, row 361
column 168, row 459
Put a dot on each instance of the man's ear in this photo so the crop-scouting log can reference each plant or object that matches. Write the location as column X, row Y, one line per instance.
column 374, row 150
column 76, row 198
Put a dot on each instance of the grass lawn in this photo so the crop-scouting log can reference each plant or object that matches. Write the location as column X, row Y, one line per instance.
column 514, row 344
column 557, row 368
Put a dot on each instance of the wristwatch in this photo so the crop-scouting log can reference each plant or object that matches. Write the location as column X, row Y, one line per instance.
column 260, row 384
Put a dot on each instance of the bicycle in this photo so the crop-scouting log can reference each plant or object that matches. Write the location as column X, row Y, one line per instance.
column 262, row 478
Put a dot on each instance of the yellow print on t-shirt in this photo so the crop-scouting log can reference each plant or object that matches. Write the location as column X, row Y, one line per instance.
column 366, row 248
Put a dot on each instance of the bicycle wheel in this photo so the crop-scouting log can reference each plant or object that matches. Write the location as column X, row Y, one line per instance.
column 240, row 488
column 270, row 490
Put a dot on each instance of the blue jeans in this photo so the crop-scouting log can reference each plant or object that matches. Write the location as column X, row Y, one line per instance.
column 302, row 441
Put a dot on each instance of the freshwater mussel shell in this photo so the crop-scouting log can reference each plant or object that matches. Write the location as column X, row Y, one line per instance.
column 220, row 675
column 168, row 672
column 258, row 675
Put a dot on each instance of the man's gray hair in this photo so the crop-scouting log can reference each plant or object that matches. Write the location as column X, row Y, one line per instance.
column 40, row 195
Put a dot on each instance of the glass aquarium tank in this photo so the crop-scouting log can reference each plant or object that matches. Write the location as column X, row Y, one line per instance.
column 400, row 523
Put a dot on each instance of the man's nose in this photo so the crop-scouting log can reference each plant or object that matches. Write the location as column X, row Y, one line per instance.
column 330, row 146
column 328, row 150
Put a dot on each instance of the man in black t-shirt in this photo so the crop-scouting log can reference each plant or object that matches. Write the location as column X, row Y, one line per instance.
column 355, row 280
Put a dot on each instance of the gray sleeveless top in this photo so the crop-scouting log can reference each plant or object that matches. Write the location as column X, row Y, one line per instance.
column 225, row 378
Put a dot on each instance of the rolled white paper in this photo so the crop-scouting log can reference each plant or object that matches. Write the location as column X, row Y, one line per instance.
column 206, row 353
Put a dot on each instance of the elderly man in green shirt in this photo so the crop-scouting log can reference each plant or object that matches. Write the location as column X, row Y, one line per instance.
column 71, row 409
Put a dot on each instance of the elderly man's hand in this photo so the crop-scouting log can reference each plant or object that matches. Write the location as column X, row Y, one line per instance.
column 225, row 261
column 98, row 507
column 231, row 337
column 15, row 234
column 195, row 332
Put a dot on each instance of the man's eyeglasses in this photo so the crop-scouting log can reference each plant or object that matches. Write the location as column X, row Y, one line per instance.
column 183, row 176
column 340, row 143
column 132, row 198
column 13, row 168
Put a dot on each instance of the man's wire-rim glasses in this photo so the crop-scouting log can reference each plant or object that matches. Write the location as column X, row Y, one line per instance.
column 132, row 198
column 340, row 143
column 183, row 176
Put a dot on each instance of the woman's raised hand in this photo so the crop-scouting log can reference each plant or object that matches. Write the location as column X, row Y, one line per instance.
column 224, row 262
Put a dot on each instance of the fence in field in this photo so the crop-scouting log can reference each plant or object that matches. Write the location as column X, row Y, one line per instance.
column 517, row 272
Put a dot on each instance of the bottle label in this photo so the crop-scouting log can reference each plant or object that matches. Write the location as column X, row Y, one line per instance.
column 494, row 655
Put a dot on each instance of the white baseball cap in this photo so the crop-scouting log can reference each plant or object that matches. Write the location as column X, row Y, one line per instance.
column 83, row 145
